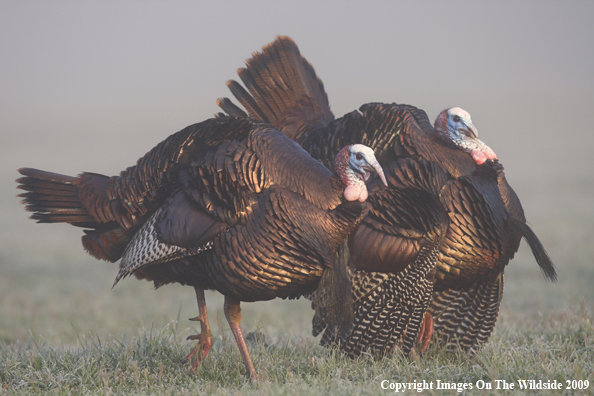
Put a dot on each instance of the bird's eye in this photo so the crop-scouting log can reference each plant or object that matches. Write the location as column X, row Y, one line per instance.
column 456, row 118
column 359, row 156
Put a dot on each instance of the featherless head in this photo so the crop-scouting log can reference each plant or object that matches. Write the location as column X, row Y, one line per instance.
column 354, row 164
column 455, row 127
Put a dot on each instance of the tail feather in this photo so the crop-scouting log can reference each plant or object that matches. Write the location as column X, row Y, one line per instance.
column 51, row 188
column 540, row 254
column 246, row 100
column 81, row 201
column 256, row 79
column 229, row 107
column 39, row 175
column 282, row 89
column 53, row 198
column 58, row 211
column 92, row 189
column 67, row 201
column 79, row 221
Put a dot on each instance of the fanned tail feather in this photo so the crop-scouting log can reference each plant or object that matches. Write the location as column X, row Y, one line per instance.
column 230, row 108
column 282, row 89
column 246, row 100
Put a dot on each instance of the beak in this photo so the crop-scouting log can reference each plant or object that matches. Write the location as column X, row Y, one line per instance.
column 375, row 166
column 470, row 131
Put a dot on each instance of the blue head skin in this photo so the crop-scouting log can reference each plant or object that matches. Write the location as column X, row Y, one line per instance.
column 455, row 127
column 354, row 164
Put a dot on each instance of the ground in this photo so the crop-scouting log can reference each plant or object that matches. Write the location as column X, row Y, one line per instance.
column 64, row 330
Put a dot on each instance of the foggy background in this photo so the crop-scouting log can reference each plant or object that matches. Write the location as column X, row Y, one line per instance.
column 92, row 86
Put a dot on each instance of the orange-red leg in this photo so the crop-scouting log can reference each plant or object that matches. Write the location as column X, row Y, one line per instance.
column 426, row 331
column 205, row 337
column 233, row 315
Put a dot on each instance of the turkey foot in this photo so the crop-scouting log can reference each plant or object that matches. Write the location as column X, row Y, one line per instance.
column 233, row 315
column 426, row 331
column 204, row 338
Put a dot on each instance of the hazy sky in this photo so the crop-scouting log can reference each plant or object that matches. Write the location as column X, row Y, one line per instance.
column 91, row 86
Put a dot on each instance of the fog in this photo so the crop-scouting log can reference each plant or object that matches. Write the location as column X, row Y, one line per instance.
column 92, row 86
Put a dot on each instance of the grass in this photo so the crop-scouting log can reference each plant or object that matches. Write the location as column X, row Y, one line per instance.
column 559, row 348
column 63, row 330
column 68, row 333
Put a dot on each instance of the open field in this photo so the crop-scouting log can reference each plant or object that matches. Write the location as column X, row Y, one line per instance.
column 64, row 330
column 149, row 363
column 92, row 86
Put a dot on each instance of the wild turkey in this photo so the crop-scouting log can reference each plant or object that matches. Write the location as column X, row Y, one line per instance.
column 217, row 205
column 484, row 218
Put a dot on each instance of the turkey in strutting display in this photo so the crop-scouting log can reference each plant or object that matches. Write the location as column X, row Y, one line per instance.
column 435, row 243
column 218, row 205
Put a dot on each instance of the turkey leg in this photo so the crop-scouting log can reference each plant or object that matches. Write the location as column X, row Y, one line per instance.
column 205, row 337
column 426, row 331
column 233, row 315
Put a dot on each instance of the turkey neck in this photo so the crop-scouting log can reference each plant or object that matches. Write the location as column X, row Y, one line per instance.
column 454, row 161
column 392, row 131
